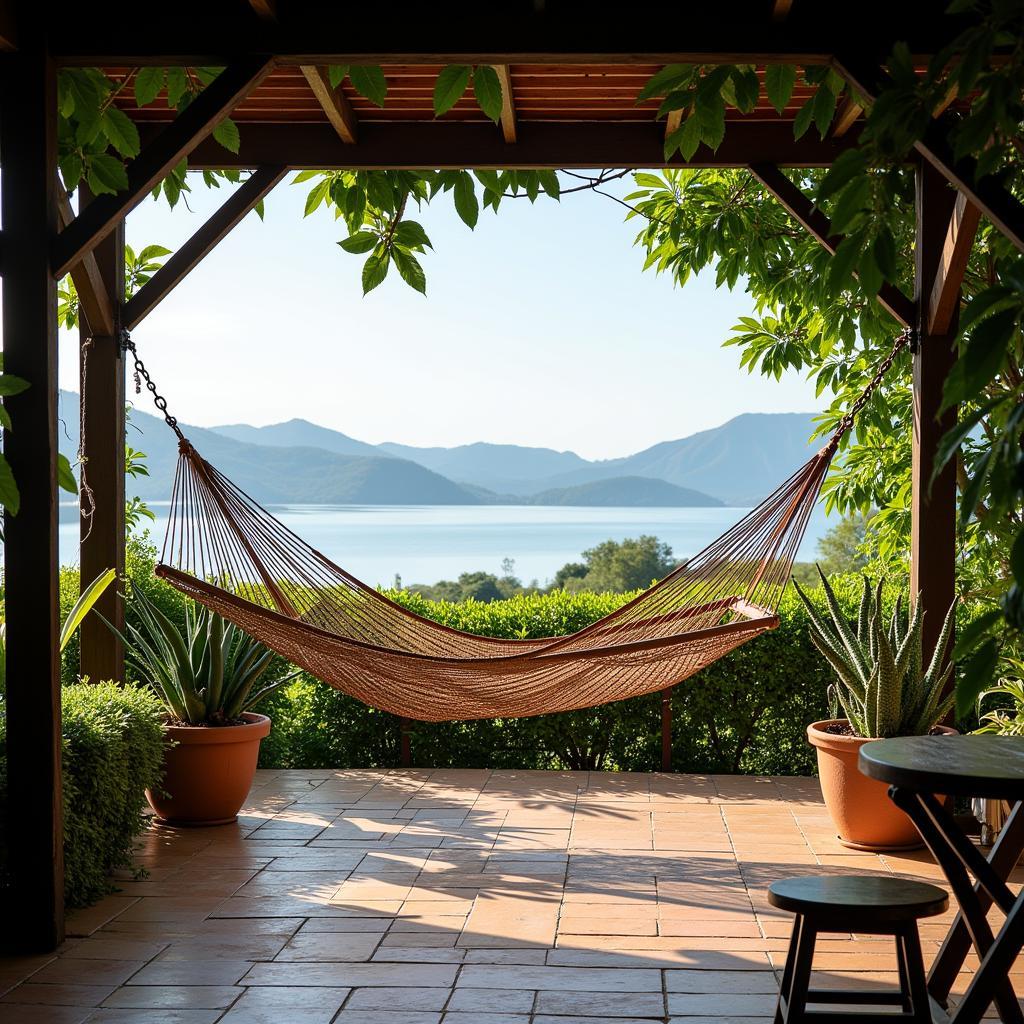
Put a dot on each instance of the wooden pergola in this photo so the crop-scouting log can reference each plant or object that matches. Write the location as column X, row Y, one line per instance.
column 571, row 74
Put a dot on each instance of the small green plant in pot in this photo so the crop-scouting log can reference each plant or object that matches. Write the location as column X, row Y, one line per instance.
column 209, row 675
column 882, row 689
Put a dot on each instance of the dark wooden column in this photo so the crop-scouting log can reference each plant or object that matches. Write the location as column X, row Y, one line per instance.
column 35, row 919
column 102, row 496
column 666, row 729
column 933, row 511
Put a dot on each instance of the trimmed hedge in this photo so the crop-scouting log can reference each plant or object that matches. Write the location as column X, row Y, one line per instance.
column 113, row 744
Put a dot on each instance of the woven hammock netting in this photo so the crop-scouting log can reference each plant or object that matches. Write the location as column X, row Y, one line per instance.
column 228, row 553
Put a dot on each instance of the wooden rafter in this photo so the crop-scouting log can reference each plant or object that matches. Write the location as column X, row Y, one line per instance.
column 995, row 201
column 335, row 105
column 956, row 250
column 781, row 9
column 171, row 274
column 265, row 10
column 158, row 158
column 846, row 117
column 508, row 104
column 93, row 298
column 803, row 210
column 441, row 145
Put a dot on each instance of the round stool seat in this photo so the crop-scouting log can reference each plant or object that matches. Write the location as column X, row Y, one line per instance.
column 874, row 897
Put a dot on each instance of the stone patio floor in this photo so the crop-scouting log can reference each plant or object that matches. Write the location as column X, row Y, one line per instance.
column 458, row 896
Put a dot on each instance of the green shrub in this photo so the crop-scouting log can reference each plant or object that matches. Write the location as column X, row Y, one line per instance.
column 112, row 751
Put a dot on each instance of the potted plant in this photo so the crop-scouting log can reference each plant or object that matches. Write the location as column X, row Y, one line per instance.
column 209, row 675
column 882, row 689
column 1006, row 719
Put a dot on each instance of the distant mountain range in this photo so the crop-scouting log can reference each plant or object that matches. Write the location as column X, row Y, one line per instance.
column 737, row 463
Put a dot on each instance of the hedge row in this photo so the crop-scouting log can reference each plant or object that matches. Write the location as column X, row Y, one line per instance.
column 112, row 751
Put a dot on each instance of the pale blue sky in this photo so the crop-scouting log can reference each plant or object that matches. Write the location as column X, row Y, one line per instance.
column 538, row 329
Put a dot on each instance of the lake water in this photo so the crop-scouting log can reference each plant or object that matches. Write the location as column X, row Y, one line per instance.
column 427, row 543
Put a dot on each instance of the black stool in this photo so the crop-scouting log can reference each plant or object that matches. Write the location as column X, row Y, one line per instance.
column 869, row 904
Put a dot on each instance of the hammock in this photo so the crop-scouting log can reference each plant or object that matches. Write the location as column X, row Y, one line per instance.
column 226, row 552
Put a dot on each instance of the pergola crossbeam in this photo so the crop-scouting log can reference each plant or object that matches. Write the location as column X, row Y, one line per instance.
column 158, row 158
column 93, row 297
column 956, row 251
column 995, row 201
column 803, row 210
column 334, row 103
column 442, row 145
column 188, row 256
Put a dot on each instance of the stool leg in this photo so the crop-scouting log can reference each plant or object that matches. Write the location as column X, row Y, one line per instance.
column 796, row 999
column 787, row 974
column 901, row 960
column 910, row 943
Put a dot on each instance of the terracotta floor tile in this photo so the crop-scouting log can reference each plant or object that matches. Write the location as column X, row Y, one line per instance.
column 39, row 1014
column 386, row 998
column 57, row 995
column 325, row 946
column 200, row 997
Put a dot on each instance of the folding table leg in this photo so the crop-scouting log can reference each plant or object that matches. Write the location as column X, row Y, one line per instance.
column 972, row 911
column 909, row 943
column 787, row 974
column 995, row 967
column 953, row 952
column 796, row 1000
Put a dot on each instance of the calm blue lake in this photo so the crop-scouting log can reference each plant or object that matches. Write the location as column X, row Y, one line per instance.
column 426, row 543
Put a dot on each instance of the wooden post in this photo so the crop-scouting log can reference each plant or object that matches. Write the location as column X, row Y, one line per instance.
column 666, row 729
column 405, row 745
column 34, row 920
column 933, row 503
column 102, row 493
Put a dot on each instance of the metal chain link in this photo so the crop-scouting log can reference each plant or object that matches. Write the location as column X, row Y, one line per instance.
column 865, row 396
column 142, row 374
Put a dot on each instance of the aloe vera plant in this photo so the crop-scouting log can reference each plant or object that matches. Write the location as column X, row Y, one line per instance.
column 208, row 673
column 883, row 687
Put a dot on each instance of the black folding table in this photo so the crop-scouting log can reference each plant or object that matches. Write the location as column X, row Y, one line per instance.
column 921, row 769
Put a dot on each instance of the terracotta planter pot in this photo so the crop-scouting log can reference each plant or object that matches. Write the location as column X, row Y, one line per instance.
column 208, row 772
column 860, row 807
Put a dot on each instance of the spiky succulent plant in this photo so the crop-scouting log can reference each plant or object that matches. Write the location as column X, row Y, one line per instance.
column 882, row 685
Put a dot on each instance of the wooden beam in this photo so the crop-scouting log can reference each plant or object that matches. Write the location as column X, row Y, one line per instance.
column 944, row 300
column 265, row 10
column 93, row 299
column 846, row 117
column 8, row 26
column 158, row 158
column 781, row 9
column 803, row 210
column 334, row 103
column 450, row 144
column 508, row 103
column 170, row 275
column 991, row 197
column 102, row 418
column 933, row 500
column 33, row 920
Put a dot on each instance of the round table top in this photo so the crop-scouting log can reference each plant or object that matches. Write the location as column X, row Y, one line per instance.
column 990, row 766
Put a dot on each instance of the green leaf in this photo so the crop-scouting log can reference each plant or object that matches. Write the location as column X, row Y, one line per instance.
column 974, row 632
column 336, row 73
column 823, row 108
column 976, row 677
column 982, row 358
column 489, row 180
column 465, row 199
column 668, row 78
column 1017, row 558
column 689, row 134
column 152, row 252
column 148, row 83
column 450, row 85
column 411, row 234
column 226, row 133
column 11, row 385
column 779, row 80
column 177, row 85
column 410, row 270
column 106, row 174
column 375, row 269
column 368, row 80
column 487, row 89
column 84, row 605
column 122, row 133
column 549, row 182
column 842, row 264
column 9, row 497
column 802, row 121
column 361, row 241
